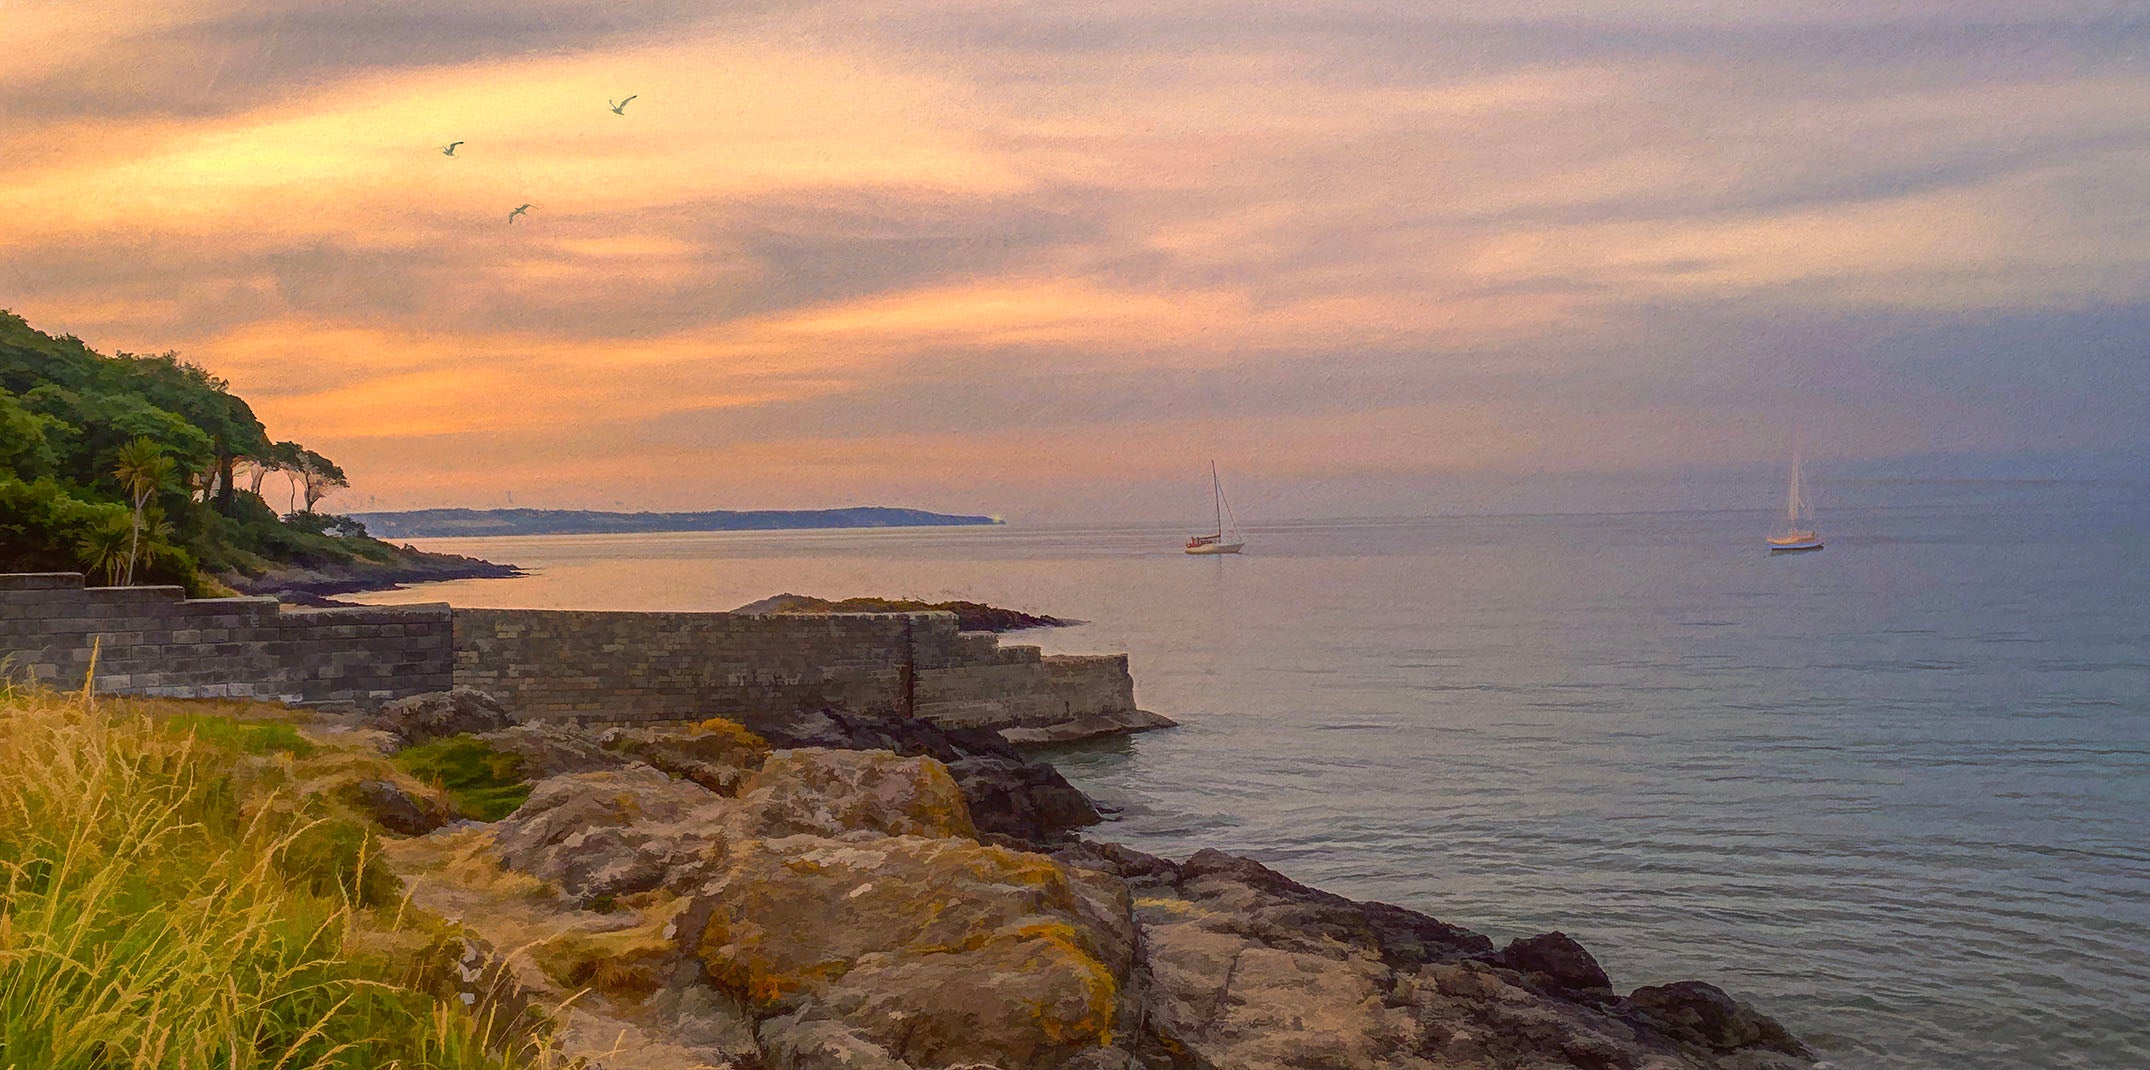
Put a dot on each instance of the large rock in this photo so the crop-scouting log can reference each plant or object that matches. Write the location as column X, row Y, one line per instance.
column 835, row 911
column 717, row 754
column 1703, row 1014
column 547, row 750
column 1009, row 795
column 610, row 833
column 1558, row 964
column 440, row 714
column 1277, row 911
column 1251, row 971
column 835, row 792
column 795, row 1042
column 1088, row 726
column 397, row 809
column 935, row 950
column 1025, row 801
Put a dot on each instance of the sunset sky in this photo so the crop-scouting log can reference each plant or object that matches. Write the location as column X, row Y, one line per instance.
column 1047, row 259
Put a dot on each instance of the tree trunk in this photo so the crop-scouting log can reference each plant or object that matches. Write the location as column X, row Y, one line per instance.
column 225, row 462
column 134, row 540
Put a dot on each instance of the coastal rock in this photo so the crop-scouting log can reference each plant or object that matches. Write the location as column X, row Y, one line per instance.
column 1558, row 964
column 1089, row 726
column 396, row 809
column 1028, row 802
column 790, row 1042
column 609, row 833
column 833, row 792
column 440, row 714
column 970, row 616
column 547, row 750
column 838, row 910
column 407, row 564
column 937, row 951
column 1007, row 793
column 1248, row 969
column 716, row 753
column 1703, row 1014
column 1268, row 907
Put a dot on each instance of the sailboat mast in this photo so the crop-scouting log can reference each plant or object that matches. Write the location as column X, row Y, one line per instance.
column 1791, row 499
column 1216, row 496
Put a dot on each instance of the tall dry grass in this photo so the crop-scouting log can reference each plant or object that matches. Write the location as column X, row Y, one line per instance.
column 155, row 914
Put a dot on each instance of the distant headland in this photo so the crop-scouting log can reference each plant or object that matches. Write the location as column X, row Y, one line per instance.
column 437, row 523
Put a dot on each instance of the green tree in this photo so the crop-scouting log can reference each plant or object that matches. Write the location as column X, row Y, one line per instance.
column 321, row 476
column 24, row 449
column 142, row 470
column 104, row 548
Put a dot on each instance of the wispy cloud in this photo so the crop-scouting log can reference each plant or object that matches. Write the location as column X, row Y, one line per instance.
column 845, row 246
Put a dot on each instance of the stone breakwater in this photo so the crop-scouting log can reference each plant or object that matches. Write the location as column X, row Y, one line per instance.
column 696, row 896
column 568, row 665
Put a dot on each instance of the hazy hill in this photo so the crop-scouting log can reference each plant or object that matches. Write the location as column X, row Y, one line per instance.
column 423, row 523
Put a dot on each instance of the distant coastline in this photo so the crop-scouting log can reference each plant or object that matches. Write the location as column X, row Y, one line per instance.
column 441, row 523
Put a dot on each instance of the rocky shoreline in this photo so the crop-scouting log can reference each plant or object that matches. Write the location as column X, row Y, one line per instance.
column 313, row 584
column 833, row 890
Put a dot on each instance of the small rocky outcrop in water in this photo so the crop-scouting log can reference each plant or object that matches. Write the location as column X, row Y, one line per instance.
column 970, row 616
column 844, row 891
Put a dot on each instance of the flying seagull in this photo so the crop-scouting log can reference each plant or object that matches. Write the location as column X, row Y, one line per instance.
column 621, row 107
column 517, row 212
column 450, row 150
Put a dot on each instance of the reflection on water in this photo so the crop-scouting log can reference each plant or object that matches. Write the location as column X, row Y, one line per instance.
column 1894, row 792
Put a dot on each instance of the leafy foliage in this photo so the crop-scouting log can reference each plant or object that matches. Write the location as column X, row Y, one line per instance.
column 155, row 446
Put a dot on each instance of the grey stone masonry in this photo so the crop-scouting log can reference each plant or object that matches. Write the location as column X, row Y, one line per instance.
column 625, row 667
column 588, row 666
column 155, row 641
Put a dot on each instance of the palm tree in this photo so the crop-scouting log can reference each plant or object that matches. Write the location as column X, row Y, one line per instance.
column 104, row 549
column 142, row 471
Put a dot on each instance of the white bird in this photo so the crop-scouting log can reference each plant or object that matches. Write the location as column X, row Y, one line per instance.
column 621, row 107
column 450, row 150
column 517, row 212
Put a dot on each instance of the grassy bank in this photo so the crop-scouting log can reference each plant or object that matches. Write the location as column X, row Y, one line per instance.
column 178, row 890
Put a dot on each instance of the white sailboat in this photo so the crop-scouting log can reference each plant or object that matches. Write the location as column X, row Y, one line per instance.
column 1797, row 510
column 1225, row 539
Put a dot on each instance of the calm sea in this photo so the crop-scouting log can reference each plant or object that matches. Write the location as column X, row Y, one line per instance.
column 1897, row 792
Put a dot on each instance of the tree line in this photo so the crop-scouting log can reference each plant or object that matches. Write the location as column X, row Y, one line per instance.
column 146, row 469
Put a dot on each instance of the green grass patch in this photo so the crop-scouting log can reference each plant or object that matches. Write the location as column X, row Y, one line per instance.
column 482, row 782
column 232, row 735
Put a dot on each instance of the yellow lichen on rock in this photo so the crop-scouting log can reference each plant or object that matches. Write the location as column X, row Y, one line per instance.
column 972, row 949
column 627, row 963
column 737, row 739
column 833, row 792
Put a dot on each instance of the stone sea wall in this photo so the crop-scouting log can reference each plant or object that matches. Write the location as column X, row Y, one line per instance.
column 670, row 666
column 547, row 664
column 156, row 641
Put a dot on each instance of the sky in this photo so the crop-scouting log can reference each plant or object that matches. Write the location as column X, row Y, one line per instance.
column 1047, row 260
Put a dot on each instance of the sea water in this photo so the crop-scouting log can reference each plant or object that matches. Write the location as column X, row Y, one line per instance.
column 1896, row 793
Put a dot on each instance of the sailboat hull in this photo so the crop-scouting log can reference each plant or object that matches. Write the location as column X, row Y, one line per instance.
column 1801, row 547
column 1210, row 549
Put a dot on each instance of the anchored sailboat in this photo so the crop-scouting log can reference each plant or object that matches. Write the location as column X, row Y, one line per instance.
column 1224, row 540
column 1797, row 510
